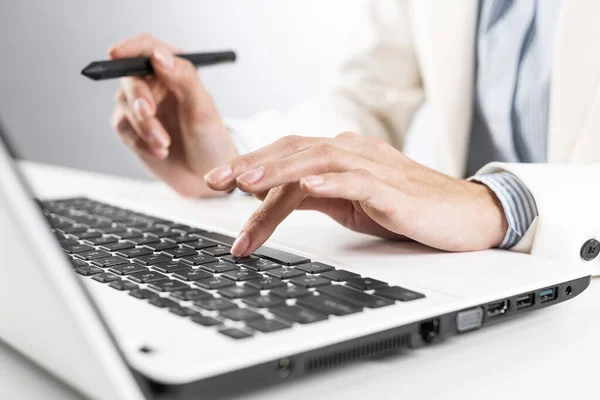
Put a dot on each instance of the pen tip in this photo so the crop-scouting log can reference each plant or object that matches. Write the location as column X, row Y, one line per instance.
column 93, row 71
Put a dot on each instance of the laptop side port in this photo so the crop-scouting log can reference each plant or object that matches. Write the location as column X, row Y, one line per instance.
column 524, row 301
column 429, row 330
column 548, row 294
column 497, row 308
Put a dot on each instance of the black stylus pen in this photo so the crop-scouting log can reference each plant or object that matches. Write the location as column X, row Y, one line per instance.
column 141, row 66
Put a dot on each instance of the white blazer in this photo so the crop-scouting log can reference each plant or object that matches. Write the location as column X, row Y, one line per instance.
column 424, row 49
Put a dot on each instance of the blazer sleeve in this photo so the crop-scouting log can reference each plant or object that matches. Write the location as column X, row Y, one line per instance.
column 568, row 202
column 377, row 91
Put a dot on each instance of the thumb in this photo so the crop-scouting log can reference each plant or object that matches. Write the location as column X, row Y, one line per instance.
column 180, row 77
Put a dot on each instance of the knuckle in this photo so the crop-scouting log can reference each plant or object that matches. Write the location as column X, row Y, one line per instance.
column 348, row 135
column 144, row 36
column 378, row 144
column 293, row 143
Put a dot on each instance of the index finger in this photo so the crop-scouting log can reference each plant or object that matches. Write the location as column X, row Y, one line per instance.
column 279, row 203
column 139, row 46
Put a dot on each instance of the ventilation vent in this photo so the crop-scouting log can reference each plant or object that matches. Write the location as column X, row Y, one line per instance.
column 356, row 353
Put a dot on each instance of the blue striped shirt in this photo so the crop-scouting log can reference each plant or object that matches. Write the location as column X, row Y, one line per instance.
column 514, row 52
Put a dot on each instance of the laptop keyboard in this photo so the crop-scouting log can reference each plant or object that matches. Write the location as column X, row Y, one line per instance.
column 191, row 273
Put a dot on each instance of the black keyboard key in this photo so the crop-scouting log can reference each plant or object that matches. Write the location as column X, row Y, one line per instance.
column 147, row 277
column 310, row 281
column 129, row 234
column 106, row 277
column 181, row 239
column 70, row 229
column 241, row 314
column 127, row 269
column 264, row 301
column 163, row 302
column 160, row 246
column 180, row 252
column 77, row 248
column 171, row 267
column 205, row 321
column 238, row 292
column 267, row 325
column 298, row 314
column 266, row 282
column 140, row 241
column 238, row 260
column 168, row 285
column 78, row 263
column 215, row 283
column 124, row 285
column 89, row 270
column 117, row 246
column 183, row 311
column 215, row 304
column 290, row 292
column 113, row 229
column 199, row 244
column 191, row 274
column 398, row 293
column 92, row 255
column 190, row 294
column 261, row 265
column 235, row 333
column 365, row 283
column 217, row 237
column 99, row 241
column 315, row 267
column 285, row 273
column 281, row 257
column 152, row 259
column 219, row 267
column 67, row 242
column 135, row 252
column 87, row 235
column 242, row 275
column 340, row 275
column 217, row 251
column 143, row 294
column 198, row 259
column 109, row 261
column 354, row 297
column 328, row 305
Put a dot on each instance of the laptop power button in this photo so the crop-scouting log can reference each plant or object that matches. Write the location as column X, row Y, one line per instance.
column 469, row 319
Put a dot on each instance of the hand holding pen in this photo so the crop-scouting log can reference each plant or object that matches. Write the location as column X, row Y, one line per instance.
column 169, row 120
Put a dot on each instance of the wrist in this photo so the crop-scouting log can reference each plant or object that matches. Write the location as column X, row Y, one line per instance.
column 492, row 220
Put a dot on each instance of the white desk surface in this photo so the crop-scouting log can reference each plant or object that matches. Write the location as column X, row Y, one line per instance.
column 550, row 354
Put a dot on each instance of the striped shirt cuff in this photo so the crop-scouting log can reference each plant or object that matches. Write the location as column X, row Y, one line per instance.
column 518, row 204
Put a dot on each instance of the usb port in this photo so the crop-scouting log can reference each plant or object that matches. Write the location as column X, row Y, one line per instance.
column 524, row 301
column 496, row 309
column 548, row 295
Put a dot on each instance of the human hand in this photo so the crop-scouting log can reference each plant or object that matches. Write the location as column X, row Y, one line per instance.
column 169, row 120
column 364, row 184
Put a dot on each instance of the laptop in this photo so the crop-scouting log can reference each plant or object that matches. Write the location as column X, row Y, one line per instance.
column 122, row 303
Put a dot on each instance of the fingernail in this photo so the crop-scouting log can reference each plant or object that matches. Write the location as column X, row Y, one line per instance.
column 164, row 58
column 159, row 139
column 252, row 176
column 241, row 244
column 141, row 108
column 219, row 174
column 161, row 153
column 313, row 180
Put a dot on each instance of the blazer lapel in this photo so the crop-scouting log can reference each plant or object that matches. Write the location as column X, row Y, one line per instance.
column 575, row 76
column 444, row 34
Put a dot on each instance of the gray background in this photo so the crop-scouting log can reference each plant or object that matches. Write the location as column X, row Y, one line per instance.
column 287, row 49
